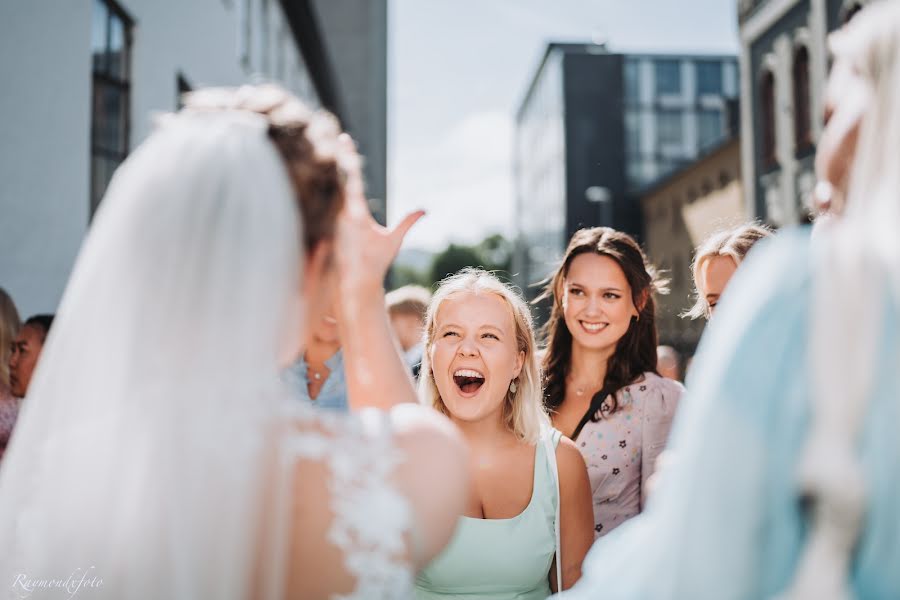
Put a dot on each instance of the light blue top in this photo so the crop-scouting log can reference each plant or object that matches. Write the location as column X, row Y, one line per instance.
column 726, row 521
column 500, row 559
column 333, row 395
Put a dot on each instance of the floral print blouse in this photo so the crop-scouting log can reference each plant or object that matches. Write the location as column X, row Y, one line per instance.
column 621, row 449
column 9, row 411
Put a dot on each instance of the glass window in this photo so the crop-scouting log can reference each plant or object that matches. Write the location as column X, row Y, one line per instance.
column 669, row 127
column 710, row 128
column 668, row 76
column 632, row 81
column 111, row 94
column 709, row 77
column 632, row 133
column 98, row 34
column 802, row 116
column 767, row 106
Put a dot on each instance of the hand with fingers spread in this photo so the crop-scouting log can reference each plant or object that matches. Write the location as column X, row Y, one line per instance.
column 364, row 249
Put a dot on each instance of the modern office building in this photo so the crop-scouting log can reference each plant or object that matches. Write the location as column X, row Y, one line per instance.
column 595, row 128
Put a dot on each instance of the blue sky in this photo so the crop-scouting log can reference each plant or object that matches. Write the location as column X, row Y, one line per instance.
column 457, row 70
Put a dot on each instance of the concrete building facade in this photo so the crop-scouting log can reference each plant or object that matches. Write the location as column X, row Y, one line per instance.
column 784, row 65
column 83, row 80
column 679, row 212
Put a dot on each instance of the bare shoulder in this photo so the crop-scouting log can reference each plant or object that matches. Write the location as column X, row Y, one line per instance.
column 434, row 475
column 429, row 469
column 569, row 459
column 427, row 430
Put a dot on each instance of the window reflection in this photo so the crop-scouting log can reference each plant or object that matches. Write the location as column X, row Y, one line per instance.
column 111, row 48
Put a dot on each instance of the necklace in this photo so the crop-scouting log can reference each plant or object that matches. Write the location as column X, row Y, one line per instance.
column 580, row 390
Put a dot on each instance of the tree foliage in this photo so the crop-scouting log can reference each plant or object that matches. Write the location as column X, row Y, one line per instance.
column 494, row 253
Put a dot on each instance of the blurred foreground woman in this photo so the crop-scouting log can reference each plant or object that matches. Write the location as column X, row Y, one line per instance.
column 158, row 449
column 788, row 477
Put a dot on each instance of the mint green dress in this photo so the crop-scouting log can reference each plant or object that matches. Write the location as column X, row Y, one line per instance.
column 500, row 559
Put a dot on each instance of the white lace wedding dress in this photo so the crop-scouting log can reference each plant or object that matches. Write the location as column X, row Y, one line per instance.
column 144, row 453
column 372, row 520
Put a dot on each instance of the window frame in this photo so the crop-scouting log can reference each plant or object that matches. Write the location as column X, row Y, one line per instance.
column 105, row 79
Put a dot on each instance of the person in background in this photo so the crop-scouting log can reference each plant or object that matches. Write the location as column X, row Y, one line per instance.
column 531, row 488
column 715, row 262
column 406, row 308
column 26, row 351
column 668, row 362
column 600, row 377
column 318, row 375
column 9, row 404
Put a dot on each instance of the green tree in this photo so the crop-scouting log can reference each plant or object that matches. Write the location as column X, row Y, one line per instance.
column 453, row 259
column 406, row 275
column 494, row 253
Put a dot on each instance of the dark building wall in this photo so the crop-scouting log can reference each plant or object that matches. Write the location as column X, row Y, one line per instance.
column 595, row 140
column 355, row 38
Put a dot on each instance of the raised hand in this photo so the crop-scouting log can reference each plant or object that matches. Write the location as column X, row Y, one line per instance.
column 364, row 249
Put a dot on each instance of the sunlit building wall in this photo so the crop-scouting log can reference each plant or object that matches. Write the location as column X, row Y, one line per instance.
column 784, row 64
column 83, row 81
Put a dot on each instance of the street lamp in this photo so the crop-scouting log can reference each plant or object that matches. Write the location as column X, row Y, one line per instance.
column 601, row 195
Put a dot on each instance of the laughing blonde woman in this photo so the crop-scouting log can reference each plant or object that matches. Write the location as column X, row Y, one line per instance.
column 480, row 370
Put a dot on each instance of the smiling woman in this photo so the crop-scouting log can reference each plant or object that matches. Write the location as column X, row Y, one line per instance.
column 530, row 507
column 600, row 369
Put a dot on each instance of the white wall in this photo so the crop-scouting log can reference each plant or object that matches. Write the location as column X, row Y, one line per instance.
column 45, row 65
column 200, row 38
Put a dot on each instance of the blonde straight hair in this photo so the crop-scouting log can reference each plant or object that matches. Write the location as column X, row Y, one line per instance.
column 523, row 410
column 735, row 243
column 9, row 328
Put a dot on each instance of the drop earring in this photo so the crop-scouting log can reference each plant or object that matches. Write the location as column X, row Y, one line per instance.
column 513, row 387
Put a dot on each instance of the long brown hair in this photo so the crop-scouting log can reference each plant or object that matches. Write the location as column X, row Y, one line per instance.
column 636, row 350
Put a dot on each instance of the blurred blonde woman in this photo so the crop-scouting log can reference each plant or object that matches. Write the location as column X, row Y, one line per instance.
column 715, row 262
column 480, row 369
column 9, row 404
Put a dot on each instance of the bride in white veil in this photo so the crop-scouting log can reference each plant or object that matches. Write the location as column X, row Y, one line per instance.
column 157, row 455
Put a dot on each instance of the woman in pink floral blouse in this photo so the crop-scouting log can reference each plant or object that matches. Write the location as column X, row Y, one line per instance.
column 600, row 379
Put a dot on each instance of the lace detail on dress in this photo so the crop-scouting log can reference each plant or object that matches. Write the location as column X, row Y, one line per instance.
column 371, row 517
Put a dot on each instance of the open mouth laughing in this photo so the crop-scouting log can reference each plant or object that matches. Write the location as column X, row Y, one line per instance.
column 468, row 381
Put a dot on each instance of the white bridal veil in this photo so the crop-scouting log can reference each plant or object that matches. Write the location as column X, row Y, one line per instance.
column 139, row 451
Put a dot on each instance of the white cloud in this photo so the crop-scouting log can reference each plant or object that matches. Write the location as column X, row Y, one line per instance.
column 463, row 180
